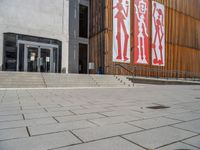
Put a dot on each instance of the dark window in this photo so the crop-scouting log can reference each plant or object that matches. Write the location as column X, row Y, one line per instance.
column 21, row 57
column 10, row 52
column 83, row 58
column 83, row 21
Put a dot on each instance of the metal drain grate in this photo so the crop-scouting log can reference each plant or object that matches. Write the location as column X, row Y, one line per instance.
column 158, row 107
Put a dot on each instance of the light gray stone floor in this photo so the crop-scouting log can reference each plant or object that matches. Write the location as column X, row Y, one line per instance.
column 100, row 118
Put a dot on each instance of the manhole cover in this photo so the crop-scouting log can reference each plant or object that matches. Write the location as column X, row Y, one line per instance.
column 158, row 107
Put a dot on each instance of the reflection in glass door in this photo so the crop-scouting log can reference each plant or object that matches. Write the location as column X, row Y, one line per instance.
column 32, row 60
column 45, row 60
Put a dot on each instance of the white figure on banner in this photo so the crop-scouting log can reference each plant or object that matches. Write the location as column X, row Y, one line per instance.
column 121, row 16
column 141, row 11
column 159, row 34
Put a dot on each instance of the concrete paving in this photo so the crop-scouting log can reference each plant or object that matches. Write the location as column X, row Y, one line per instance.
column 101, row 118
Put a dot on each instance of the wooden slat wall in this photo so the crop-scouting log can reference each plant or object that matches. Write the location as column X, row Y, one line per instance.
column 182, row 19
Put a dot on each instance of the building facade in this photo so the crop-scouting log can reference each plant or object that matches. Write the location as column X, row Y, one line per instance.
column 43, row 35
column 178, row 23
column 82, row 36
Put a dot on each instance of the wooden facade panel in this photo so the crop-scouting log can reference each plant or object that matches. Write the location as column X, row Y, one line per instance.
column 182, row 30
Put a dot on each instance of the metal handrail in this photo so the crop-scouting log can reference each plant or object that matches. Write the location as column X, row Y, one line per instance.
column 174, row 73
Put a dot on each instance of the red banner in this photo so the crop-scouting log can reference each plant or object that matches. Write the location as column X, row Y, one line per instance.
column 158, row 34
column 121, row 31
column 141, row 32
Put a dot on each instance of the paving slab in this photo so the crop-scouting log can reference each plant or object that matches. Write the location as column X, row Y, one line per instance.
column 114, row 120
column 43, row 142
column 106, row 131
column 184, row 116
column 193, row 126
column 47, row 114
column 107, row 144
column 119, row 113
column 58, row 127
column 91, row 110
column 72, row 107
column 152, row 139
column 13, row 133
column 24, row 123
column 37, row 115
column 195, row 141
column 79, row 117
column 10, row 118
column 154, row 123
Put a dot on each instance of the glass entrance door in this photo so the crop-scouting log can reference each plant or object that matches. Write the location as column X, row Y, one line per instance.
column 37, row 57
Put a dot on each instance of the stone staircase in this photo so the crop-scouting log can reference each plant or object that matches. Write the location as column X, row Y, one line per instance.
column 21, row 80
column 51, row 80
column 68, row 80
column 111, row 81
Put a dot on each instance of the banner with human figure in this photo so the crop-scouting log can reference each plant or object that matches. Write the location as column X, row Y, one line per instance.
column 121, row 31
column 141, row 32
column 158, row 34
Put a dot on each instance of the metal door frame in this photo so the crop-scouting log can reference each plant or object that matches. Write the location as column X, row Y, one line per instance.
column 39, row 46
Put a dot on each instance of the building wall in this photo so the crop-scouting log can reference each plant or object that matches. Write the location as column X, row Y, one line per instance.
column 182, row 19
column 42, row 18
column 74, row 39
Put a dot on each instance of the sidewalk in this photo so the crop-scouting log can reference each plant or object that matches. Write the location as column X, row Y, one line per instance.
column 145, row 117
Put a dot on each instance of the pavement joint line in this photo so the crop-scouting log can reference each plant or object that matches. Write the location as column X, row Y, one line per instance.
column 83, row 107
column 23, row 117
column 27, row 129
column 45, row 109
column 152, row 129
column 11, row 128
column 134, row 143
column 93, row 123
column 76, row 136
column 13, row 139
column 90, row 112
column 176, row 142
column 72, row 112
column 137, row 111
column 61, row 131
column 174, row 119
column 184, row 129
column 60, row 105
column 190, row 145
column 65, row 146
column 103, row 115
column 55, row 119
column 183, row 120
column 10, row 121
column 110, row 137
column 171, row 125
column 135, row 126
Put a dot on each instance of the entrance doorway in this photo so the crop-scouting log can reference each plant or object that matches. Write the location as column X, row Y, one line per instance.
column 37, row 57
column 83, row 58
